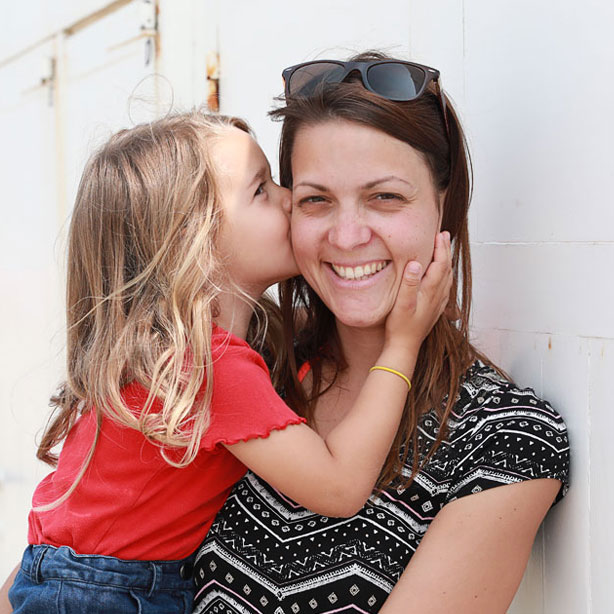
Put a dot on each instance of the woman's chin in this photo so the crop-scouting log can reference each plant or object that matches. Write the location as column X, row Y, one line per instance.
column 361, row 320
column 358, row 312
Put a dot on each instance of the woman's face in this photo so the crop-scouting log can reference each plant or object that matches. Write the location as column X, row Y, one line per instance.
column 363, row 205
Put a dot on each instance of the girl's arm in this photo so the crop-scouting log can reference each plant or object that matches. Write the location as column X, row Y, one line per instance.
column 335, row 476
column 472, row 557
column 5, row 604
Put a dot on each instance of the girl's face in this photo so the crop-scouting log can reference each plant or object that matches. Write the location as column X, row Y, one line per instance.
column 255, row 235
column 363, row 205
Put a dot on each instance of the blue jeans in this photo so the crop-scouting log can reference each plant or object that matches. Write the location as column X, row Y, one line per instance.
column 59, row 581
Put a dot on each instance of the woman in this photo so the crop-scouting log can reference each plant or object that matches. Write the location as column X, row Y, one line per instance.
column 377, row 161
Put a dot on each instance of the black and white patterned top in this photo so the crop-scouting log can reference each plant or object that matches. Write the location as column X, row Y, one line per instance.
column 265, row 554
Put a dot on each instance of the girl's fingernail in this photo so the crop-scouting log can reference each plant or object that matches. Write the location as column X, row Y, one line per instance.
column 414, row 268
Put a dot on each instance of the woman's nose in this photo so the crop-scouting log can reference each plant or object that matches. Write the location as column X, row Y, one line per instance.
column 349, row 231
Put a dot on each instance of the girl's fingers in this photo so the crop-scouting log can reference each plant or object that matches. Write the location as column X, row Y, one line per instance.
column 437, row 281
column 434, row 286
column 407, row 296
column 442, row 261
column 442, row 247
column 410, row 285
column 439, row 253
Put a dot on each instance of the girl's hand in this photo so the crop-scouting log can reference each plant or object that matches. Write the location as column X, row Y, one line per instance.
column 421, row 299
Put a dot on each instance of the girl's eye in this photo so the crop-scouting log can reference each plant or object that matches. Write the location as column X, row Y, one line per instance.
column 260, row 189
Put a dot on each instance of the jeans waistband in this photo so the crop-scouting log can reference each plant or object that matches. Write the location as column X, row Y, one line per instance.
column 43, row 562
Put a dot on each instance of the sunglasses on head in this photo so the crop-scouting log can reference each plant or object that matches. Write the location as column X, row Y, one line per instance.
column 392, row 79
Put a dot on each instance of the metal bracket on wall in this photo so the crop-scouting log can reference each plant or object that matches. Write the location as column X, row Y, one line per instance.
column 148, row 11
column 213, row 81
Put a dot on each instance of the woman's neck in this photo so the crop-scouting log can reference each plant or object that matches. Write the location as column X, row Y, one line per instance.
column 361, row 346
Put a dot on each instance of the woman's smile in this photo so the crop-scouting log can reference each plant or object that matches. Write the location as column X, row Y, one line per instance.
column 359, row 272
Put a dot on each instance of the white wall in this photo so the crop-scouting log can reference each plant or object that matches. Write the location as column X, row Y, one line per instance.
column 50, row 120
column 542, row 241
column 533, row 83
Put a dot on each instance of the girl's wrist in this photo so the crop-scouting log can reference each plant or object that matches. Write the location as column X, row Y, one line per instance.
column 399, row 358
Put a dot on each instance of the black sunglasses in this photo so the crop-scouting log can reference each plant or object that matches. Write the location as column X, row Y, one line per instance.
column 392, row 79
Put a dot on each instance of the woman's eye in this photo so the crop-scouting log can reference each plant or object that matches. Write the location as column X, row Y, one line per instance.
column 309, row 200
column 387, row 196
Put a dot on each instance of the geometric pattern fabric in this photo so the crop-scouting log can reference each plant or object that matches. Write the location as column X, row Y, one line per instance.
column 266, row 554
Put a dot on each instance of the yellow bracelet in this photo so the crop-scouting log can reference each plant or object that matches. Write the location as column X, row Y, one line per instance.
column 403, row 377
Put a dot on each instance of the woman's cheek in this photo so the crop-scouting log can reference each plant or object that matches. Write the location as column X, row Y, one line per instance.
column 298, row 248
column 303, row 242
column 420, row 248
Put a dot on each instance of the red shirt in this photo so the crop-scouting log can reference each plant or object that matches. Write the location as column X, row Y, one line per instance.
column 131, row 503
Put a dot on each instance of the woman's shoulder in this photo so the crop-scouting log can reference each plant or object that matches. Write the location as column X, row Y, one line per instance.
column 487, row 395
column 500, row 433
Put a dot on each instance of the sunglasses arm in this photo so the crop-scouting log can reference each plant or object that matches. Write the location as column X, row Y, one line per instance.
column 444, row 106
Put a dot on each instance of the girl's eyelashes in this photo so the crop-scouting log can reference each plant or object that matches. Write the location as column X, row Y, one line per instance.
column 260, row 189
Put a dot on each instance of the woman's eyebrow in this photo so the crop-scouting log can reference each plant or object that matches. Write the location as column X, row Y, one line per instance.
column 308, row 184
column 366, row 186
column 372, row 184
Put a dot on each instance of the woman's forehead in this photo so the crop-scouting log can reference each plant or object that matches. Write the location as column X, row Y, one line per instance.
column 341, row 150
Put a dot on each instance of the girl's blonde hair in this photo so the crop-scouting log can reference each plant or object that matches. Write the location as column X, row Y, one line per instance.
column 143, row 276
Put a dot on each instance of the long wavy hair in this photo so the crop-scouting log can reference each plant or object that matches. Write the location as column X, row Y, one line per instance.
column 446, row 353
column 143, row 277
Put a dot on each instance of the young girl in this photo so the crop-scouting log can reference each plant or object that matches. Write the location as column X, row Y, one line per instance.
column 177, row 231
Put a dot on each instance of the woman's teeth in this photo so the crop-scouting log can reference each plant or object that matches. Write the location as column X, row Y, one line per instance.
column 359, row 272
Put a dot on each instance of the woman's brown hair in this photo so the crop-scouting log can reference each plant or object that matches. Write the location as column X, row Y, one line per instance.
column 446, row 353
column 143, row 277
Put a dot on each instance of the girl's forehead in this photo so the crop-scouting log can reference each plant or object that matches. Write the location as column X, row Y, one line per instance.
column 234, row 153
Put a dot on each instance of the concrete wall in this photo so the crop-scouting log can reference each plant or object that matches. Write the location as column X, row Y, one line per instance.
column 533, row 84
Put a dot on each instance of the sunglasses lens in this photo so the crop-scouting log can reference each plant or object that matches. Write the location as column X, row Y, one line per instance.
column 305, row 80
column 396, row 81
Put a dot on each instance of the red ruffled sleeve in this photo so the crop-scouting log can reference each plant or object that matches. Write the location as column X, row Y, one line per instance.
column 244, row 403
